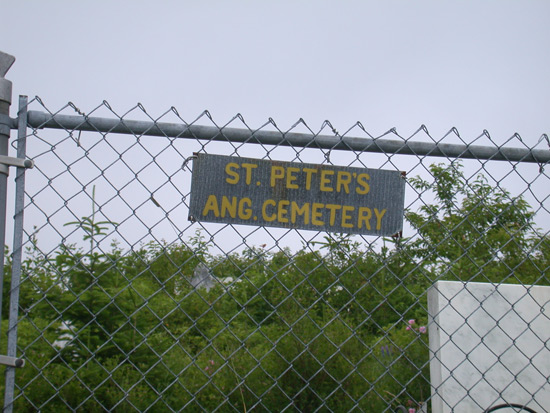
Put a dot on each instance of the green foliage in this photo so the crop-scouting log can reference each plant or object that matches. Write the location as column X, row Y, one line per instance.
column 474, row 231
column 125, row 331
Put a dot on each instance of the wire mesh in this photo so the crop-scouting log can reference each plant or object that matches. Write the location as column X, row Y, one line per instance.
column 125, row 305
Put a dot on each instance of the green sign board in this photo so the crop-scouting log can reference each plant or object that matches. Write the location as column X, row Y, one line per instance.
column 329, row 198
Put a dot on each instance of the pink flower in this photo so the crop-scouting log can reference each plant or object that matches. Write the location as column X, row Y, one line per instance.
column 408, row 328
column 411, row 322
column 211, row 362
column 412, row 410
column 422, row 329
column 206, row 368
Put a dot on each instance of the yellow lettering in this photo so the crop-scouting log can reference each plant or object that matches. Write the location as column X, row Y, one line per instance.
column 245, row 213
column 234, row 175
column 365, row 215
column 343, row 180
column 333, row 208
column 316, row 214
column 346, row 217
column 325, row 180
column 290, row 177
column 309, row 173
column 282, row 211
column 362, row 181
column 265, row 216
column 230, row 207
column 277, row 172
column 296, row 210
column 248, row 167
column 379, row 215
column 211, row 206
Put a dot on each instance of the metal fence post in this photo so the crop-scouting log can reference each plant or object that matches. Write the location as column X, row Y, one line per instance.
column 17, row 258
column 6, row 61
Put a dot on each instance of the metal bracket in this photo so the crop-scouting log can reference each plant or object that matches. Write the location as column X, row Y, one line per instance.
column 12, row 361
column 7, row 161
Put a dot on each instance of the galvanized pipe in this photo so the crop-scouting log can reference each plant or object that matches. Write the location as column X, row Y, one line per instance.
column 17, row 256
column 6, row 61
column 39, row 119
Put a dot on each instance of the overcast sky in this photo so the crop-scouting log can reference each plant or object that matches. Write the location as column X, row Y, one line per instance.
column 474, row 65
column 470, row 64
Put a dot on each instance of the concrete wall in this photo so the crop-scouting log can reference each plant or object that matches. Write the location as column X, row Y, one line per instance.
column 489, row 344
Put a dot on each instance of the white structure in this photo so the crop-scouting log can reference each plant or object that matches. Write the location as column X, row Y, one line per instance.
column 489, row 344
column 202, row 278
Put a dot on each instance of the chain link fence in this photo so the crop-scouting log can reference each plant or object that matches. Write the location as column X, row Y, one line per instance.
column 126, row 305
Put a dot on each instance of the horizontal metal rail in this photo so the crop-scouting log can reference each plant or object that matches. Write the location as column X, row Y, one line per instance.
column 38, row 119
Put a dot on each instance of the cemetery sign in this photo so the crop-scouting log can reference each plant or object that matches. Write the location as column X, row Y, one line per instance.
column 235, row 190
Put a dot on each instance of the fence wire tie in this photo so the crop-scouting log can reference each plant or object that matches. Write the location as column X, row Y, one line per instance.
column 187, row 161
column 81, row 113
column 332, row 128
column 543, row 137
